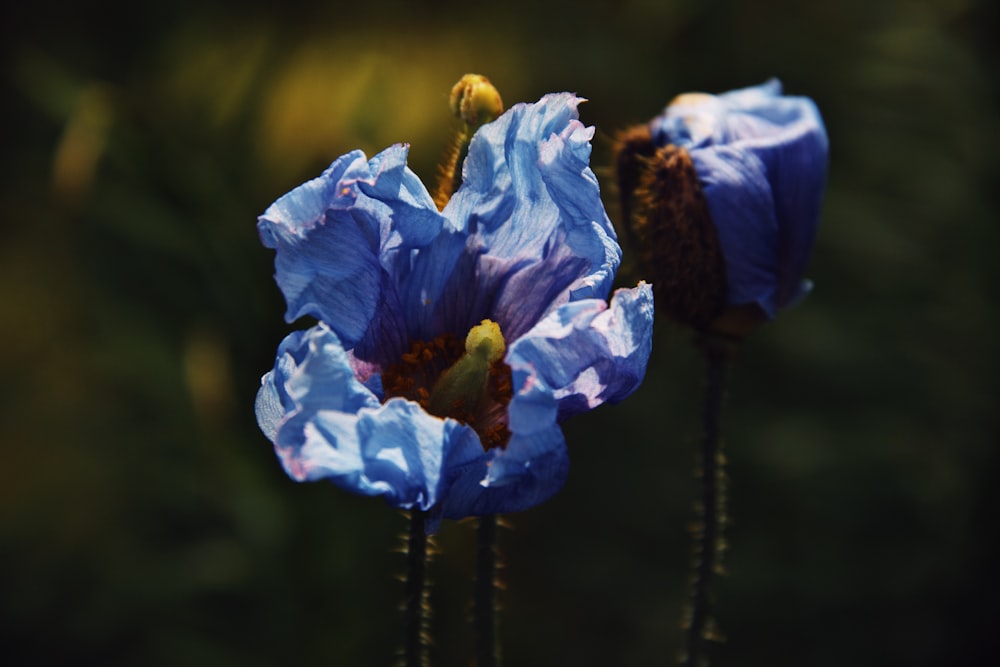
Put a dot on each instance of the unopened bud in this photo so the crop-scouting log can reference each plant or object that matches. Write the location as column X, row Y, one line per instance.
column 475, row 100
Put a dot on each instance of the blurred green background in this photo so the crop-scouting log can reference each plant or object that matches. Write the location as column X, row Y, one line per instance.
column 144, row 519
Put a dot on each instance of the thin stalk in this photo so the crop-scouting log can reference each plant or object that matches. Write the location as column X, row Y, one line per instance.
column 415, row 605
column 708, row 536
column 485, row 600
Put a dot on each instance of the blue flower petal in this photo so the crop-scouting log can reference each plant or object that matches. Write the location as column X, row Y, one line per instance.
column 741, row 204
column 528, row 472
column 405, row 450
column 538, row 232
column 586, row 353
column 311, row 368
column 338, row 236
column 398, row 203
column 273, row 401
column 326, row 424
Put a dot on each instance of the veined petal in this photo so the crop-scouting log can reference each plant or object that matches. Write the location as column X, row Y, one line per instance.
column 399, row 204
column 586, row 353
column 338, row 236
column 531, row 207
column 325, row 264
column 395, row 450
column 787, row 134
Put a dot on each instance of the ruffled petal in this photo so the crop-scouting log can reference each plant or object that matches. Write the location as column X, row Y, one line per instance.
column 538, row 235
column 405, row 450
column 527, row 473
column 310, row 366
column 399, row 204
column 326, row 264
column 586, row 353
column 343, row 242
column 326, row 424
column 273, row 401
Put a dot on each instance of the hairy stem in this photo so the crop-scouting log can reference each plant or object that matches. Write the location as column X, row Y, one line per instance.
column 485, row 602
column 708, row 537
column 415, row 605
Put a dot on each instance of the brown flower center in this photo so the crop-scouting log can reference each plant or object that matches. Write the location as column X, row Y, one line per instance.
column 469, row 383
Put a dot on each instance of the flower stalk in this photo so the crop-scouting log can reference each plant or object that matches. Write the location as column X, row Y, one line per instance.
column 416, row 607
column 708, row 540
column 485, row 601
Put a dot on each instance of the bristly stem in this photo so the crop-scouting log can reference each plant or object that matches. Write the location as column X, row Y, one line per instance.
column 415, row 619
column 485, row 601
column 708, row 536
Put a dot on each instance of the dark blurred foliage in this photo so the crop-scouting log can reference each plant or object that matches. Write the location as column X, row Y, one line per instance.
column 144, row 519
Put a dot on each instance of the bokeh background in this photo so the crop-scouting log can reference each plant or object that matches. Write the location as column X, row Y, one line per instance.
column 144, row 519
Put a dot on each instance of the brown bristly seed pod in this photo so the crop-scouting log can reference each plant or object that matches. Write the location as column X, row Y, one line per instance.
column 670, row 228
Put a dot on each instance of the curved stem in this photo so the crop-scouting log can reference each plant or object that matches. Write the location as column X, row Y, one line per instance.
column 415, row 609
column 485, row 602
column 708, row 536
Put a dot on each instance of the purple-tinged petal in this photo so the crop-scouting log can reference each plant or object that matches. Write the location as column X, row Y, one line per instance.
column 532, row 209
column 431, row 306
column 742, row 208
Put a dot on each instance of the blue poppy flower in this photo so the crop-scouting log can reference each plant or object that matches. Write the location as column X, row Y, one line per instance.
column 450, row 345
column 761, row 159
